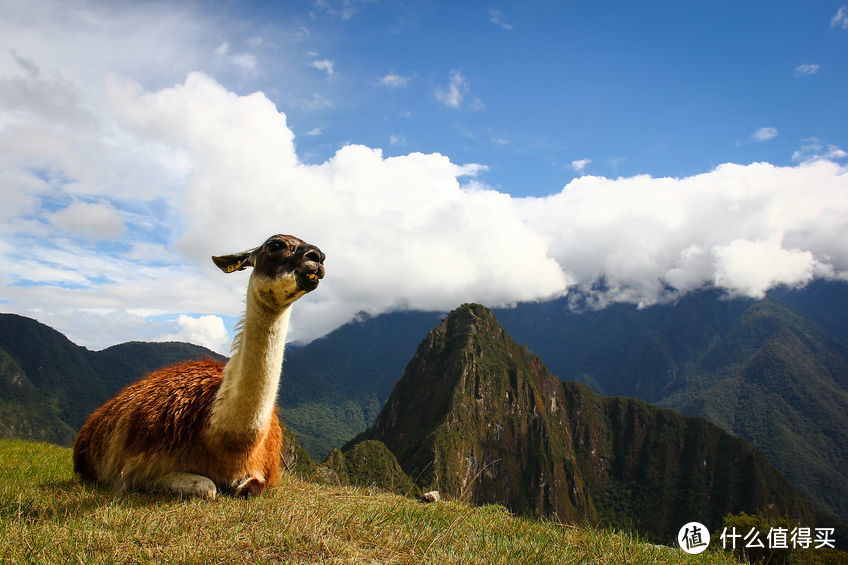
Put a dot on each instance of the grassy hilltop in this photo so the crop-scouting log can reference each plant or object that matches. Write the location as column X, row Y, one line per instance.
column 47, row 516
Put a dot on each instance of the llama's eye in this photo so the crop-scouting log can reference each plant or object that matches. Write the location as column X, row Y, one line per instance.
column 274, row 245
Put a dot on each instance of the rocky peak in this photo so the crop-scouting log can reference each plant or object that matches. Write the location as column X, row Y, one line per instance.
column 479, row 418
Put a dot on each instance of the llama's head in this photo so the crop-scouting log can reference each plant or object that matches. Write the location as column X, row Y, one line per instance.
column 284, row 269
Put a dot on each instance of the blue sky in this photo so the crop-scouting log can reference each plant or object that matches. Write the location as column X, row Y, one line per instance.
column 438, row 152
column 670, row 88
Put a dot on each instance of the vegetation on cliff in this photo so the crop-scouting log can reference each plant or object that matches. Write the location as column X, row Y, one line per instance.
column 479, row 418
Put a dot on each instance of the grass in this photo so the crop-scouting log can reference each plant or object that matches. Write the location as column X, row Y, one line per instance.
column 47, row 516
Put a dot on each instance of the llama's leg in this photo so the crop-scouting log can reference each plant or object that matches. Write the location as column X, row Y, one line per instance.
column 187, row 484
column 249, row 486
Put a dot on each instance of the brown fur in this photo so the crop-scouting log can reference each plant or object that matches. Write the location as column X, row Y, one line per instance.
column 159, row 425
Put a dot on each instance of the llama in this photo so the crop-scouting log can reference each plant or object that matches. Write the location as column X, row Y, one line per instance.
column 202, row 427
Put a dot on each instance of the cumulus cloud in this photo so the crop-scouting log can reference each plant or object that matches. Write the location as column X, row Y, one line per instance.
column 739, row 228
column 750, row 268
column 208, row 331
column 92, row 220
column 418, row 231
column 398, row 232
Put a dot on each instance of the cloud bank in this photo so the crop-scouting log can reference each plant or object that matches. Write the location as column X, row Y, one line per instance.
column 743, row 229
column 418, row 231
column 413, row 231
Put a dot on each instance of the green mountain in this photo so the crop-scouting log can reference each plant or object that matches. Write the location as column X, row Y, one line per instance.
column 771, row 371
column 49, row 385
column 369, row 463
column 782, row 383
column 479, row 418
column 333, row 388
column 24, row 413
column 764, row 370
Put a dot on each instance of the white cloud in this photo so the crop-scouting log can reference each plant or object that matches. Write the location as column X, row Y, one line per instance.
column 195, row 169
column 763, row 134
column 208, row 331
column 453, row 94
column 405, row 232
column 399, row 231
column 807, row 70
column 652, row 239
column 19, row 192
column 95, row 221
column 579, row 165
column 314, row 132
column 419, row 231
column 813, row 150
column 496, row 18
column 750, row 268
column 394, row 80
column 324, row 65
column 840, row 19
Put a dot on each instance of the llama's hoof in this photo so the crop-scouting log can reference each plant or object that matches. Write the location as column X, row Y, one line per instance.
column 205, row 488
column 190, row 485
column 251, row 486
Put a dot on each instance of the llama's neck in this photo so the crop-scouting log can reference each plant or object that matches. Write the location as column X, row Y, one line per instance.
column 248, row 392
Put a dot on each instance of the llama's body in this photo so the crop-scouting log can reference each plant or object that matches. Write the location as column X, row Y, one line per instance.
column 141, row 438
column 201, row 427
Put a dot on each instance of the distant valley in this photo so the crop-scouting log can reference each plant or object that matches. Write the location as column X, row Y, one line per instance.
column 774, row 372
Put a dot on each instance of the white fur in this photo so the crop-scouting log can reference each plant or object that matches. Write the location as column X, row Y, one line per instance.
column 248, row 393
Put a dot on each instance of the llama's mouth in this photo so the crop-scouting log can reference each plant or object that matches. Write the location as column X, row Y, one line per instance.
column 307, row 281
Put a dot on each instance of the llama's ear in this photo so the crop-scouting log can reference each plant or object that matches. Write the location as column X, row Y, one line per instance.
column 235, row 262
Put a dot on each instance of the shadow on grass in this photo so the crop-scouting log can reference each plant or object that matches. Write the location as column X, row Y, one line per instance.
column 62, row 500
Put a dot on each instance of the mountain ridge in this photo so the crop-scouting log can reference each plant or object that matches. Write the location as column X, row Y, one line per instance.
column 479, row 418
column 646, row 353
column 66, row 382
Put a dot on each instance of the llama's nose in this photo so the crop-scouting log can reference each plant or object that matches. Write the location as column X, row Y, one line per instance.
column 312, row 253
